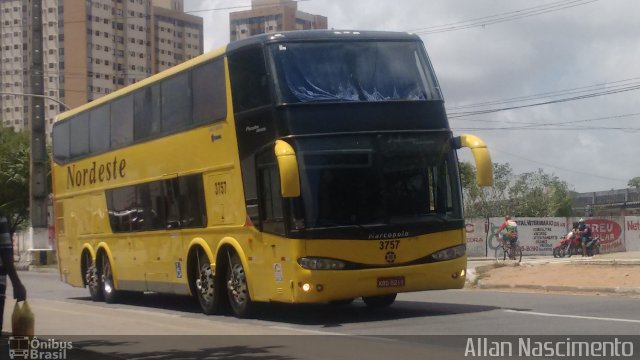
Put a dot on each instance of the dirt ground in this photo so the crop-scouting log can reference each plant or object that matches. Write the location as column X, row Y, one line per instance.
column 560, row 274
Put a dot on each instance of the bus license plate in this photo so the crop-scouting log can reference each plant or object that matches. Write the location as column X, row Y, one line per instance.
column 396, row 281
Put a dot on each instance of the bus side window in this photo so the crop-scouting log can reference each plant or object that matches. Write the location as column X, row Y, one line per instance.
column 271, row 213
column 173, row 211
column 249, row 79
column 192, row 209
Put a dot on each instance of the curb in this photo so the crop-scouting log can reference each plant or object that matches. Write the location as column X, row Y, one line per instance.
column 561, row 288
column 605, row 262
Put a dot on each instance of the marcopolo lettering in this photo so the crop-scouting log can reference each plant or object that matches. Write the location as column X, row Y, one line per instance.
column 390, row 235
column 96, row 173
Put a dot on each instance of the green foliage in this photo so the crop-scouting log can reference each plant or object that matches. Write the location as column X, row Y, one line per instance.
column 490, row 201
column 14, row 176
column 535, row 194
column 635, row 182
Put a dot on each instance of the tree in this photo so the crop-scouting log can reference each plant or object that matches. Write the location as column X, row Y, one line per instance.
column 529, row 194
column 539, row 194
column 486, row 202
column 635, row 182
column 14, row 177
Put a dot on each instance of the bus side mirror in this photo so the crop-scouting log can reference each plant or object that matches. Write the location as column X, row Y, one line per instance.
column 288, row 168
column 484, row 167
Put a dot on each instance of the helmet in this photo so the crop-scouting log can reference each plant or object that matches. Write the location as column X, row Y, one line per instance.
column 581, row 221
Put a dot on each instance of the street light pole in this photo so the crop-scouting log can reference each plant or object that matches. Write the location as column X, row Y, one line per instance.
column 38, row 204
column 66, row 107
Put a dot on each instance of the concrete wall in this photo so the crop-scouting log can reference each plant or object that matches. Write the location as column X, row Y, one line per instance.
column 538, row 235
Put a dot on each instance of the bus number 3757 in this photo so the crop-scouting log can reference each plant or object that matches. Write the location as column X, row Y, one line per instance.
column 389, row 244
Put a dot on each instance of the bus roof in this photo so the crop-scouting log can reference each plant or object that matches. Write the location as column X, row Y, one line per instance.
column 300, row 35
column 321, row 35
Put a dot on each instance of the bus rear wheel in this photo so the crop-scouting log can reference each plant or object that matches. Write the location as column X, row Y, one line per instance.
column 237, row 288
column 379, row 301
column 108, row 289
column 205, row 284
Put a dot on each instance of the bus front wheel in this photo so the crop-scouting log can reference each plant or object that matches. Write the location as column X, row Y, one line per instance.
column 379, row 301
column 237, row 288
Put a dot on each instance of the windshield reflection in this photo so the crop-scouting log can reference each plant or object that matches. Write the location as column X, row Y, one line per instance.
column 353, row 71
column 368, row 180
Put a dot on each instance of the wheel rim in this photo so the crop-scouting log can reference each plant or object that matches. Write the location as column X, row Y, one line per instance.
column 237, row 284
column 107, row 276
column 91, row 276
column 205, row 283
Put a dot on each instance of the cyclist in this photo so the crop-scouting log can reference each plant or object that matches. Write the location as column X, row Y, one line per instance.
column 509, row 232
column 585, row 235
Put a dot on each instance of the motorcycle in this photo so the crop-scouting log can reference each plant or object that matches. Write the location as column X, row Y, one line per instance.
column 593, row 246
column 572, row 245
column 566, row 246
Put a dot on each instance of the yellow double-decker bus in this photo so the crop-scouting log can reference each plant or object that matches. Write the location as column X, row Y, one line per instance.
column 301, row 167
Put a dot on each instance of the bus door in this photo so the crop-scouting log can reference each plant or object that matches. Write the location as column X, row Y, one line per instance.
column 64, row 246
column 278, row 264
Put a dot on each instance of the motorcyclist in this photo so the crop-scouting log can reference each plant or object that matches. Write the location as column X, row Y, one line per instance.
column 585, row 235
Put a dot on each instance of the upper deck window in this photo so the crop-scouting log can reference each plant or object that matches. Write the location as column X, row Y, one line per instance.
column 353, row 71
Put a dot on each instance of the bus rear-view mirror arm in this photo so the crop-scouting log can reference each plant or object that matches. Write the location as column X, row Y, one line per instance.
column 484, row 167
column 288, row 169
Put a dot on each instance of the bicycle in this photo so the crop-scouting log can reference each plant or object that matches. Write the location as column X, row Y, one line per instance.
column 506, row 250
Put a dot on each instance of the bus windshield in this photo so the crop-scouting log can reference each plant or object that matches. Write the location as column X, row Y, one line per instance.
column 353, row 71
column 377, row 179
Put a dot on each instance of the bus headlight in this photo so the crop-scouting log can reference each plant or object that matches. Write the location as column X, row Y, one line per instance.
column 450, row 253
column 314, row 263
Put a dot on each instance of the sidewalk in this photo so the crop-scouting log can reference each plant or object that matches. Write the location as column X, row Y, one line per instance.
column 605, row 274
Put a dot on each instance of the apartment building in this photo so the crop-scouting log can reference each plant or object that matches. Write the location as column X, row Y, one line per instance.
column 268, row 16
column 91, row 48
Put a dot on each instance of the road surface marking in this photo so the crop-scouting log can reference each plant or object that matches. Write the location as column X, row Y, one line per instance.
column 573, row 316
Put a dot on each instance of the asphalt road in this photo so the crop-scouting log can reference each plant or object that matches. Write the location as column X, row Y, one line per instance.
column 167, row 327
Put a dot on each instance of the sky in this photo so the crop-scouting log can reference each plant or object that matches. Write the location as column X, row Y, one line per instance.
column 515, row 53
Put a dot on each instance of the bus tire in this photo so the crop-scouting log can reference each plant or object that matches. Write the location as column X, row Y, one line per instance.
column 92, row 278
column 237, row 288
column 379, row 301
column 107, row 284
column 204, row 283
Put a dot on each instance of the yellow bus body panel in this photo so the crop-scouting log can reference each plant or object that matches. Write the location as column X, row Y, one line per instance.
column 157, row 260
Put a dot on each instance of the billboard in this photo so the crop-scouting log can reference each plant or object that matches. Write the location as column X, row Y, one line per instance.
column 632, row 233
column 536, row 235
column 476, row 234
column 610, row 230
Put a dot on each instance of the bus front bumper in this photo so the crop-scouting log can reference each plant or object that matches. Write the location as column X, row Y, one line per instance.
column 323, row 285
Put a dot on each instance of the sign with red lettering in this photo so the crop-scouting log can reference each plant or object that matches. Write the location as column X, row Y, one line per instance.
column 611, row 232
column 632, row 233
column 476, row 237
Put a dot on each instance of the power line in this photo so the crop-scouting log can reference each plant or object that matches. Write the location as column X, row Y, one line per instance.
column 549, row 94
column 503, row 17
column 574, row 98
column 244, row 6
column 146, row 17
column 547, row 126
column 487, row 17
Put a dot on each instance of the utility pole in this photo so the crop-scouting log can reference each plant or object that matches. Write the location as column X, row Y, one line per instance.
column 39, row 194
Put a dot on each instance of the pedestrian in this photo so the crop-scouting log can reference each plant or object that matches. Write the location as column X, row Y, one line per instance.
column 8, row 268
